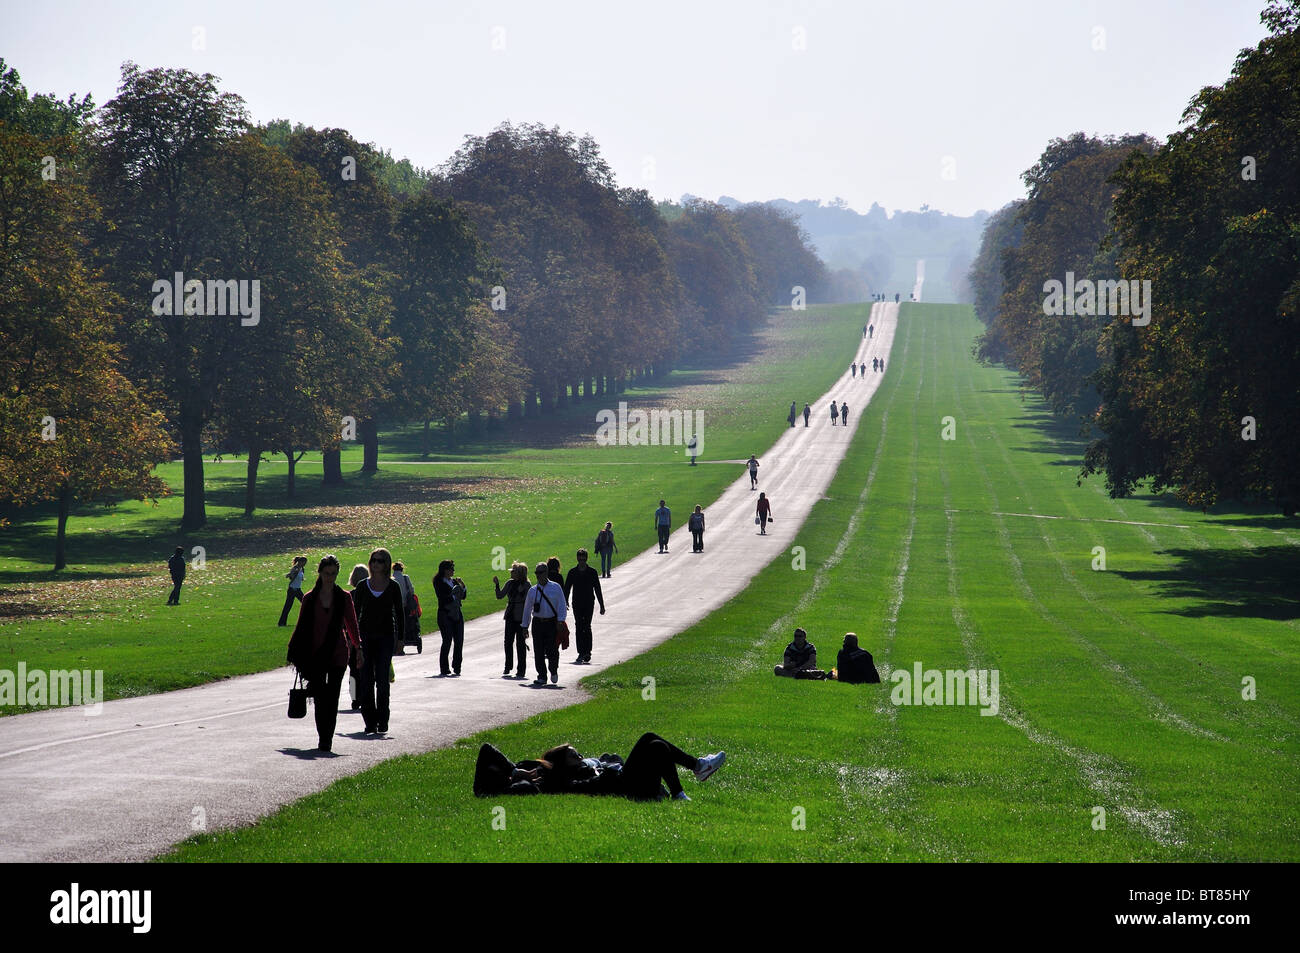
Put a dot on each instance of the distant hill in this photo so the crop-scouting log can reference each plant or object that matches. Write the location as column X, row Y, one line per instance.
column 882, row 249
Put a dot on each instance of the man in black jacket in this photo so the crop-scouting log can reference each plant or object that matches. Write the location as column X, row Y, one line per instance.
column 176, row 566
column 854, row 664
column 582, row 591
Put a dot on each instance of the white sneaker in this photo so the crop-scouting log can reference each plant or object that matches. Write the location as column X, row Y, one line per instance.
column 709, row 764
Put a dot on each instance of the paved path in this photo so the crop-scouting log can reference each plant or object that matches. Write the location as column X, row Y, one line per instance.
column 147, row 772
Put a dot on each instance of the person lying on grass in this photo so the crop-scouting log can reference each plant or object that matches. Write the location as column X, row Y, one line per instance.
column 800, row 659
column 651, row 764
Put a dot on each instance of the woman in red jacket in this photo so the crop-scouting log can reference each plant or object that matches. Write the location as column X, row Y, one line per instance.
column 318, row 648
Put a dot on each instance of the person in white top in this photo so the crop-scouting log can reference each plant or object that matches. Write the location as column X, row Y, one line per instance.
column 545, row 607
column 295, row 576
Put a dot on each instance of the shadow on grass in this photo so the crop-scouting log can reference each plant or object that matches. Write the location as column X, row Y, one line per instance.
column 1255, row 583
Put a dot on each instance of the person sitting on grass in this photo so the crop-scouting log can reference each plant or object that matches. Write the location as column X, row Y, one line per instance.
column 800, row 659
column 651, row 764
column 855, row 665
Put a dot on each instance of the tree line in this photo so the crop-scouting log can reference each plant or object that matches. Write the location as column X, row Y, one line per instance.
column 1198, row 393
column 175, row 278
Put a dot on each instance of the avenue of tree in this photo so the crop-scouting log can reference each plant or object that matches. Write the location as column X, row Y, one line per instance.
column 515, row 278
column 1203, row 399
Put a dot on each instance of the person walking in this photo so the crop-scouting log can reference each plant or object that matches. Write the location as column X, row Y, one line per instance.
column 695, row 523
column 752, row 463
column 606, row 548
column 378, row 603
column 835, row 413
column 450, row 590
column 693, row 448
column 663, row 525
column 324, row 639
column 793, row 413
column 764, row 513
column 807, row 412
column 875, row 364
column 853, row 367
column 582, row 592
column 882, row 365
column 359, row 575
column 871, row 332
column 844, row 414
column 295, row 576
column 545, row 608
column 176, row 567
column 410, row 606
column 515, row 592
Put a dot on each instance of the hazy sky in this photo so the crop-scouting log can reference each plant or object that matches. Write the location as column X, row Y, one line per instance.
column 873, row 102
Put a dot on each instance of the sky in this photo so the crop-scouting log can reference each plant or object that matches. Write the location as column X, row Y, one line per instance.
column 903, row 104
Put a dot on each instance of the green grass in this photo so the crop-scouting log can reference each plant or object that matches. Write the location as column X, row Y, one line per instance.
column 1120, row 689
column 523, row 492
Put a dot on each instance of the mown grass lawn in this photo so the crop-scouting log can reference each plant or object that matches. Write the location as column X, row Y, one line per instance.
column 1121, row 690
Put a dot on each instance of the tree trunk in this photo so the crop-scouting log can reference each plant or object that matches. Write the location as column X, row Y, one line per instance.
column 451, row 432
column 514, row 409
column 61, row 535
column 250, row 489
column 332, row 463
column 369, row 445
column 195, row 513
column 293, row 462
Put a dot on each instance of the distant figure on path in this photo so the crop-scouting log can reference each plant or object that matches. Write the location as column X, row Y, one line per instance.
column 693, row 448
column 450, row 590
column 545, row 607
column 855, row 665
column 606, row 548
column 663, row 525
column 410, row 606
column 882, row 365
column 582, row 592
column 515, row 592
column 378, row 603
column 896, row 297
column 871, row 331
column 295, row 576
column 844, row 414
column 324, row 640
column 800, row 659
column 793, row 413
column 835, row 413
column 807, row 412
column 864, row 330
column 695, row 523
column 764, row 513
column 875, row 364
column 176, row 566
column 359, row 575
column 854, row 368
column 752, row 463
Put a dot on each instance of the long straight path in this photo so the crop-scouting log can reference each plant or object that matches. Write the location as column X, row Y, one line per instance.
column 128, row 783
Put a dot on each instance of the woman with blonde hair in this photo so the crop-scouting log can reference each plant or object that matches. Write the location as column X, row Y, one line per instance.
column 378, row 601
column 515, row 592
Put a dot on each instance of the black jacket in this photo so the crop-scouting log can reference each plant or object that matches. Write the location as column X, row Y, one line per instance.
column 582, row 587
column 380, row 618
column 856, row 666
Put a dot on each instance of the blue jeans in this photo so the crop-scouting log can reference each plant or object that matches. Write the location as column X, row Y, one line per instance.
column 606, row 561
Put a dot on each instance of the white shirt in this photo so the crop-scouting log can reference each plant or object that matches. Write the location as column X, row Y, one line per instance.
column 554, row 592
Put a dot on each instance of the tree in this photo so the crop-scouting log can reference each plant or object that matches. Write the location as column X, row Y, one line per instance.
column 72, row 427
column 157, row 148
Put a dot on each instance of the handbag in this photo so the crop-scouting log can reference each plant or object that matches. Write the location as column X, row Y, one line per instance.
column 757, row 521
column 298, row 698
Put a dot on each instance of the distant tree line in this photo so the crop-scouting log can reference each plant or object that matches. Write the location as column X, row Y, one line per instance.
column 175, row 279
column 1202, row 399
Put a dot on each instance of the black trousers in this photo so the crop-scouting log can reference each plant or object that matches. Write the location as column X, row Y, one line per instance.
column 582, row 628
column 516, row 643
column 325, row 693
column 544, row 648
column 651, row 761
column 453, row 634
column 663, row 536
column 175, row 598
column 697, row 536
column 288, row 604
column 372, row 682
